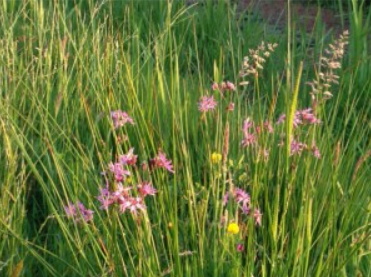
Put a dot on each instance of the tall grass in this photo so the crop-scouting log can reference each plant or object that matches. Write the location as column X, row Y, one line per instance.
column 65, row 66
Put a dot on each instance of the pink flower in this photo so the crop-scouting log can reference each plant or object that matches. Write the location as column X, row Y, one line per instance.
column 242, row 196
column 215, row 86
column 124, row 204
column 118, row 171
column 247, row 124
column 133, row 204
column 225, row 198
column 297, row 147
column 207, row 103
column 87, row 214
column 129, row 158
column 230, row 107
column 240, row 247
column 296, row 121
column 105, row 198
column 121, row 192
column 249, row 139
column 268, row 126
column 246, row 210
column 70, row 210
column 230, row 86
column 137, row 204
column 74, row 211
column 301, row 117
column 146, row 189
column 120, row 118
column 281, row 119
column 308, row 116
column 258, row 217
column 160, row 161
column 315, row 151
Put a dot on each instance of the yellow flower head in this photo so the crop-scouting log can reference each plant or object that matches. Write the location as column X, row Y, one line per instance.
column 233, row 228
column 216, row 157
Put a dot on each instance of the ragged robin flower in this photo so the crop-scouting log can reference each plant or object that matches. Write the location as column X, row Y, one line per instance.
column 207, row 103
column 119, row 171
column 129, row 158
column 160, row 161
column 78, row 211
column 145, row 188
column 120, row 118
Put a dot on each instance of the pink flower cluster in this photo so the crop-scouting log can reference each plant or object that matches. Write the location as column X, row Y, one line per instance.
column 249, row 137
column 129, row 158
column 243, row 200
column 121, row 118
column 124, row 199
column 130, row 198
column 224, row 86
column 78, row 211
column 160, row 161
column 207, row 103
column 115, row 193
column 315, row 151
column 250, row 133
column 120, row 169
column 297, row 147
column 301, row 117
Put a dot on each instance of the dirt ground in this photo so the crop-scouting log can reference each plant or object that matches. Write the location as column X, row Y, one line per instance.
column 274, row 12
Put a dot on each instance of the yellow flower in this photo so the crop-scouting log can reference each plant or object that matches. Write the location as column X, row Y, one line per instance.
column 233, row 228
column 129, row 180
column 216, row 157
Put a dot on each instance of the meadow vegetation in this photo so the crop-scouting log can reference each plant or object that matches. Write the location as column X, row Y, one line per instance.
column 155, row 138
